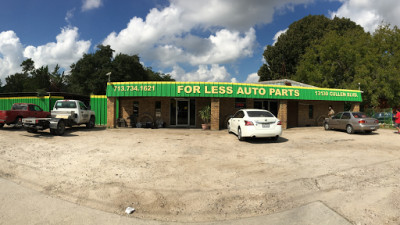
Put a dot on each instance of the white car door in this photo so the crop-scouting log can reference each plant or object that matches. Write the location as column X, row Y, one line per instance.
column 237, row 118
column 83, row 113
column 232, row 123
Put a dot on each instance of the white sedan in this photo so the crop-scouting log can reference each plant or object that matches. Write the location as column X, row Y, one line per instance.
column 256, row 123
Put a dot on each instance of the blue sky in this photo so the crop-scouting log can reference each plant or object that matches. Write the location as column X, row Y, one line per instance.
column 208, row 40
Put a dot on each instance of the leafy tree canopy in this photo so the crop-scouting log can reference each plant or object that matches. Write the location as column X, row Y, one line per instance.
column 35, row 80
column 88, row 75
column 356, row 59
column 282, row 58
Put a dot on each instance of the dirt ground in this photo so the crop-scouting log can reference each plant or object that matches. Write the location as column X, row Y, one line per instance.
column 194, row 175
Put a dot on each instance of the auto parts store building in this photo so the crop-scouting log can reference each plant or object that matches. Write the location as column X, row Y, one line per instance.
column 176, row 104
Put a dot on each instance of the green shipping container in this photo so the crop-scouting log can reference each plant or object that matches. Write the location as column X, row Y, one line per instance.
column 98, row 103
column 46, row 102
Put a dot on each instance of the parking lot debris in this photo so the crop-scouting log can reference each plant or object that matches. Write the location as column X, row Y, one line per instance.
column 129, row 210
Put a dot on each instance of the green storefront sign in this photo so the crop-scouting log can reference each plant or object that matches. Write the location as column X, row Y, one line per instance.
column 228, row 90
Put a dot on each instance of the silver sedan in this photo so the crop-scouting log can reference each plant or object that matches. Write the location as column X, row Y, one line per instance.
column 351, row 122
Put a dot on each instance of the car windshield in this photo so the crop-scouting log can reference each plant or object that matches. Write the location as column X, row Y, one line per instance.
column 359, row 115
column 259, row 114
column 66, row 104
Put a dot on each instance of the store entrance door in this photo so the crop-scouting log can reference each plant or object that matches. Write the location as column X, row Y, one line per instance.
column 182, row 112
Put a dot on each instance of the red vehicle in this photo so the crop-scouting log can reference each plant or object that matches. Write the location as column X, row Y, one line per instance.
column 19, row 111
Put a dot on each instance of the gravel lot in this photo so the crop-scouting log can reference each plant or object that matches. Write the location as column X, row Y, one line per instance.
column 194, row 175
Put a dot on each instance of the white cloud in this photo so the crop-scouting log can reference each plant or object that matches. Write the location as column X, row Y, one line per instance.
column 140, row 36
column 234, row 80
column 233, row 14
column 252, row 78
column 213, row 73
column 279, row 33
column 69, row 16
column 67, row 50
column 197, row 32
column 369, row 13
column 227, row 46
column 10, row 54
column 91, row 4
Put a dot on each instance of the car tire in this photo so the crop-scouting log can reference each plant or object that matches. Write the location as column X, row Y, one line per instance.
column 275, row 138
column 60, row 129
column 349, row 129
column 239, row 135
column 326, row 126
column 1, row 125
column 91, row 123
column 229, row 128
column 18, row 122
column 31, row 130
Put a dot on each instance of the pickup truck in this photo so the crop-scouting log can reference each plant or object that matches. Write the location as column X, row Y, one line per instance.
column 66, row 113
column 19, row 111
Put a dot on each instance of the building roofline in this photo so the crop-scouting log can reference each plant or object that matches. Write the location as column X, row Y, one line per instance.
column 286, row 82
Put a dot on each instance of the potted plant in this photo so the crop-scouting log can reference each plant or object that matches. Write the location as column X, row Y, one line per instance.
column 205, row 115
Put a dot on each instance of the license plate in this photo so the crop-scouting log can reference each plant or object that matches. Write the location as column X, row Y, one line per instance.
column 265, row 126
column 62, row 116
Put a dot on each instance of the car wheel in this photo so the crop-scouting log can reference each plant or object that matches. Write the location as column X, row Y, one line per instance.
column 275, row 138
column 91, row 123
column 349, row 129
column 31, row 130
column 240, row 137
column 229, row 128
column 18, row 122
column 326, row 126
column 1, row 125
column 60, row 128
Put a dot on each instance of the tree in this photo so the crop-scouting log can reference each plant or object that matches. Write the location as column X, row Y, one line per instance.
column 156, row 76
column 39, row 80
column 283, row 57
column 356, row 58
column 30, row 80
column 384, row 84
column 128, row 68
column 27, row 65
column 336, row 60
column 57, row 80
column 16, row 83
column 88, row 75
column 1, row 86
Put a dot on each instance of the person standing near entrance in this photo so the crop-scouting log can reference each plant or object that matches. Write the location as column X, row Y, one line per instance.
column 331, row 112
column 397, row 120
